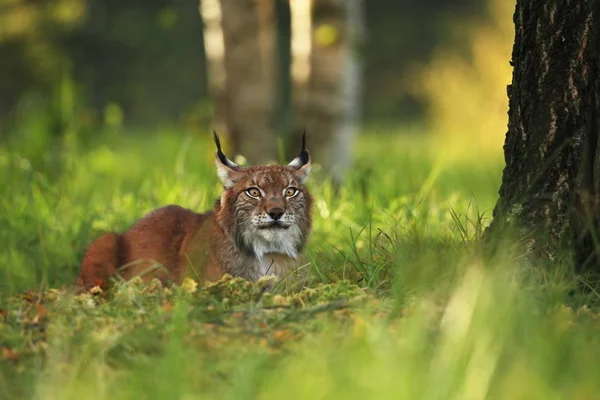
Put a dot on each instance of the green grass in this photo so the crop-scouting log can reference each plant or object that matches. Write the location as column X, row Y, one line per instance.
column 403, row 302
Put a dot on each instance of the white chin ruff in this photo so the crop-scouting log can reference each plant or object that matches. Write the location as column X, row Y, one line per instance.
column 281, row 241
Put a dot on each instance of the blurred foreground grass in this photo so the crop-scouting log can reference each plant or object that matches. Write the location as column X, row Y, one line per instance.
column 403, row 302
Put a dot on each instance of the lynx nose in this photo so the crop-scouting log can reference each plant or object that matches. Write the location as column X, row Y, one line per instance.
column 275, row 213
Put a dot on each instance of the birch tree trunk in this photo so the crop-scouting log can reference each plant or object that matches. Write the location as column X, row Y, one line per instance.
column 243, row 73
column 326, row 74
column 250, row 66
column 551, row 183
column 210, row 12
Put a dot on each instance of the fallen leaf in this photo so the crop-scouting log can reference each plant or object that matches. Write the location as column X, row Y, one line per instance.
column 266, row 281
column 41, row 314
column 189, row 285
column 96, row 290
column 283, row 335
column 10, row 354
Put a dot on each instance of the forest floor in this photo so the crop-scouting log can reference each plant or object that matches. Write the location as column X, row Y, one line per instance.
column 403, row 301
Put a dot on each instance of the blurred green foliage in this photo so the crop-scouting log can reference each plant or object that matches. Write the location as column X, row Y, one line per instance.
column 466, row 91
column 59, row 195
column 403, row 302
column 147, row 58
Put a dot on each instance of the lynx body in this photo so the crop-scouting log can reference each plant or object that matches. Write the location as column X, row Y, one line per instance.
column 258, row 227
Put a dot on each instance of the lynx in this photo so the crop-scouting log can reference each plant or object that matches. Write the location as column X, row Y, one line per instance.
column 258, row 227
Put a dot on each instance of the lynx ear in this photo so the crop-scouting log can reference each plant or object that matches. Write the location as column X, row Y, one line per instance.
column 228, row 171
column 302, row 163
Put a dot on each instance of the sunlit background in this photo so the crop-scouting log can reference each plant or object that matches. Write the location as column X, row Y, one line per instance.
column 84, row 66
column 106, row 112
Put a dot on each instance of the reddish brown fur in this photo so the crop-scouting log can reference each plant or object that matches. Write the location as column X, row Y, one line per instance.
column 204, row 246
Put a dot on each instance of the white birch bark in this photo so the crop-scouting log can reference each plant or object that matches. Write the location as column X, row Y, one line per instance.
column 250, row 67
column 327, row 76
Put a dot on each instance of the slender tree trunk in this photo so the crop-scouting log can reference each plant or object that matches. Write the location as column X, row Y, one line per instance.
column 210, row 12
column 283, row 109
column 551, row 183
column 251, row 75
column 326, row 72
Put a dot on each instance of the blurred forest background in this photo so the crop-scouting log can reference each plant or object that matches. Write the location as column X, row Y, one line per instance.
column 106, row 113
column 254, row 70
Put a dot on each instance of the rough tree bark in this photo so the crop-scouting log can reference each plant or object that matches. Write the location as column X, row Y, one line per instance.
column 250, row 77
column 551, row 183
column 210, row 12
column 326, row 73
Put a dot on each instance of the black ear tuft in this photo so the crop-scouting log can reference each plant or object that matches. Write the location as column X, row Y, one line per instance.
column 217, row 141
column 303, row 156
column 219, row 151
column 304, row 140
column 222, row 156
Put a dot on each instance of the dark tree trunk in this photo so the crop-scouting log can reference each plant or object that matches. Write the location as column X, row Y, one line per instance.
column 250, row 64
column 551, row 183
column 283, row 99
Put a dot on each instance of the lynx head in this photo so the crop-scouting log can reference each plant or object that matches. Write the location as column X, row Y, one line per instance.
column 266, row 209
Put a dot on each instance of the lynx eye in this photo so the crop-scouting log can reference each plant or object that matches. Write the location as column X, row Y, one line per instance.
column 253, row 192
column 290, row 192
